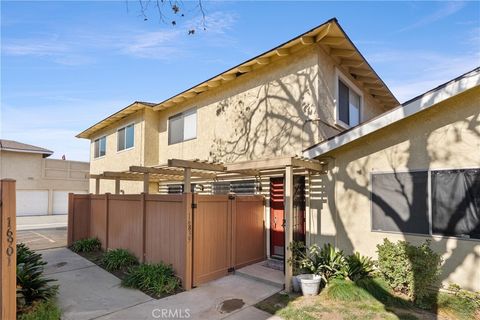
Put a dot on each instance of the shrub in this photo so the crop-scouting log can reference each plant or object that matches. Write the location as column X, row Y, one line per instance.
column 86, row 245
column 298, row 249
column 326, row 262
column 358, row 266
column 118, row 259
column 45, row 310
column 31, row 285
column 409, row 269
column 153, row 279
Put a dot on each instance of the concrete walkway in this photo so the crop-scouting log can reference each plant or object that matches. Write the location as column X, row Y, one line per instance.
column 89, row 292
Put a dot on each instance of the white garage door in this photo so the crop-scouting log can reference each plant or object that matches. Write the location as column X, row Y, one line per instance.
column 32, row 202
column 60, row 201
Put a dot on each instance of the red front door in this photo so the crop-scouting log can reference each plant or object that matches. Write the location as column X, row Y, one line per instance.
column 277, row 216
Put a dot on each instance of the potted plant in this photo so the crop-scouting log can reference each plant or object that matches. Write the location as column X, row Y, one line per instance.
column 298, row 249
column 310, row 282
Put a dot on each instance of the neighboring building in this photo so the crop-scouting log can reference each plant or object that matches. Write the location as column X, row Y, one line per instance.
column 411, row 174
column 317, row 89
column 42, row 184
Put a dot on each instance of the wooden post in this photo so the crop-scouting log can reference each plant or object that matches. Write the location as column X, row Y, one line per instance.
column 188, row 199
column 107, row 219
column 288, row 202
column 187, row 180
column 146, row 181
column 71, row 219
column 8, row 265
column 97, row 185
column 117, row 186
column 143, row 205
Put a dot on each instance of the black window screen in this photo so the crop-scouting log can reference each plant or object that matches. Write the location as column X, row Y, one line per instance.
column 343, row 103
column 178, row 188
column 238, row 187
column 400, row 202
column 456, row 203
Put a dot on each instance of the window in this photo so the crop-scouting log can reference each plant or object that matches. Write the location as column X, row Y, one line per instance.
column 182, row 126
column 348, row 105
column 125, row 137
column 100, row 147
column 237, row 187
column 446, row 204
column 400, row 202
column 178, row 188
column 456, row 203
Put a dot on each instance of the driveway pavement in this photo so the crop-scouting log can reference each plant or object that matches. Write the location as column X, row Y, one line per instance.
column 89, row 292
column 39, row 239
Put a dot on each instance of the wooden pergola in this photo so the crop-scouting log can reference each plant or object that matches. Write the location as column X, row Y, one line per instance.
column 187, row 171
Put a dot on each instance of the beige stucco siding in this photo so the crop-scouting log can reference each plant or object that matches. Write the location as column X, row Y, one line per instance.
column 447, row 136
column 263, row 113
column 34, row 173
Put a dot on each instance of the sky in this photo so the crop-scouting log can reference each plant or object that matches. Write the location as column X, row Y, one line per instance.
column 66, row 65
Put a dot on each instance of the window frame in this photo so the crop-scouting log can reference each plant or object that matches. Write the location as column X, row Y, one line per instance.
column 339, row 76
column 429, row 197
column 125, row 127
column 98, row 139
column 193, row 110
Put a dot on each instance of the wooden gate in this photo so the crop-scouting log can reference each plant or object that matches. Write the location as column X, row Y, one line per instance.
column 228, row 233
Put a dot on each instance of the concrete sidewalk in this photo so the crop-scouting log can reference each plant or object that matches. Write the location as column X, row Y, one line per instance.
column 89, row 292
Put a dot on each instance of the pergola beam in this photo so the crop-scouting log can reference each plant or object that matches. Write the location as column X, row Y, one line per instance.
column 275, row 163
column 197, row 165
column 170, row 172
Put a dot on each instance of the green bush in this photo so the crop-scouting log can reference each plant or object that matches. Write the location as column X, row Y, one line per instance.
column 45, row 310
column 298, row 249
column 117, row 259
column 31, row 285
column 358, row 266
column 154, row 279
column 86, row 245
column 409, row 269
column 326, row 262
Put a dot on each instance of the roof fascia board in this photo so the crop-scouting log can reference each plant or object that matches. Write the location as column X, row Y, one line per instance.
column 455, row 87
column 27, row 151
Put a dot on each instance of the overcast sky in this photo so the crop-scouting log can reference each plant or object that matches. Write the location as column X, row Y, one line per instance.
column 67, row 65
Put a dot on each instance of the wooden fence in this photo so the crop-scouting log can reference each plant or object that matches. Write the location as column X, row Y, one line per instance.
column 156, row 228
column 8, row 263
column 203, row 241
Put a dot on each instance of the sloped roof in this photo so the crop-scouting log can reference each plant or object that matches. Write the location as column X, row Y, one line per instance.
column 329, row 35
column 132, row 108
column 15, row 146
column 413, row 106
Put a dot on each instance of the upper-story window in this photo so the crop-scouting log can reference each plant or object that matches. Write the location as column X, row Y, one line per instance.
column 125, row 137
column 100, row 147
column 349, row 103
column 182, row 126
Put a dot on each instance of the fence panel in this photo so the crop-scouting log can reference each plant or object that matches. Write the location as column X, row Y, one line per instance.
column 166, row 232
column 125, row 225
column 98, row 218
column 212, row 230
column 249, row 233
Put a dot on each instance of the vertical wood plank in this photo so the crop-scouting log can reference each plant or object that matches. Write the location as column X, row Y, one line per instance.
column 107, row 219
column 8, row 245
column 187, row 200
column 144, row 226
column 288, row 201
column 146, row 182
column 71, row 219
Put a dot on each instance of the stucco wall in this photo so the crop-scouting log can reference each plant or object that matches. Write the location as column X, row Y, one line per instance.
column 119, row 160
column 447, row 136
column 32, row 172
column 262, row 113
